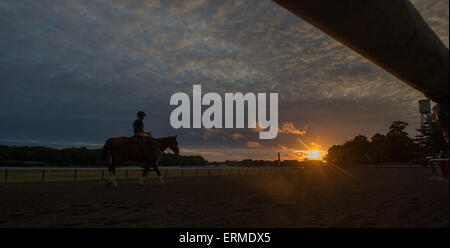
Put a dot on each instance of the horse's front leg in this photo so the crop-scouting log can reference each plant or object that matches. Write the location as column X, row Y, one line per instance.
column 144, row 174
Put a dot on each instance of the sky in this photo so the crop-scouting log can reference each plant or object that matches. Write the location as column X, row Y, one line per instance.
column 74, row 73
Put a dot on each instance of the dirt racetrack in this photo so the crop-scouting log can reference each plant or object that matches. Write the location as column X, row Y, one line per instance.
column 311, row 198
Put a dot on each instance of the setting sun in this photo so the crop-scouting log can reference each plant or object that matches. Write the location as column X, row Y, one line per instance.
column 314, row 155
column 310, row 154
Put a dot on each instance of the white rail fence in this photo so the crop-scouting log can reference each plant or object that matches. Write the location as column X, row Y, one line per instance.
column 75, row 174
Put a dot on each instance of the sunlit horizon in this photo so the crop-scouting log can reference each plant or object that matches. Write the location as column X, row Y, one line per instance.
column 311, row 154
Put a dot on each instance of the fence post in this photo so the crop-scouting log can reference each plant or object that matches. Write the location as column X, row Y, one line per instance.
column 43, row 175
column 75, row 175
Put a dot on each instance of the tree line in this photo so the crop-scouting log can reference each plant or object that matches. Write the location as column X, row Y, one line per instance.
column 396, row 146
column 259, row 163
column 73, row 157
column 68, row 157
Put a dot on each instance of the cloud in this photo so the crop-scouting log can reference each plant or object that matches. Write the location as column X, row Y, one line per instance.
column 209, row 132
column 237, row 136
column 314, row 146
column 183, row 6
column 288, row 127
column 88, row 66
column 208, row 153
column 253, row 144
column 282, row 147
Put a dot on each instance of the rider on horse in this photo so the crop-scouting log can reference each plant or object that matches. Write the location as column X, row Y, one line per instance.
column 140, row 148
column 144, row 139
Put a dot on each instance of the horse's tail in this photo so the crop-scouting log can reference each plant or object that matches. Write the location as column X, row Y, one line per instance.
column 106, row 153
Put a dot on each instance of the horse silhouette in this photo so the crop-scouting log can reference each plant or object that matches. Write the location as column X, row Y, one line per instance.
column 118, row 150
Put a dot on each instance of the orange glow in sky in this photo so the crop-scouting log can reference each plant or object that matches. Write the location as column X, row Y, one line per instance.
column 313, row 154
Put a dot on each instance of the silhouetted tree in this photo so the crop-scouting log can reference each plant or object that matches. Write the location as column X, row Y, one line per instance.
column 335, row 155
column 378, row 148
column 430, row 140
column 395, row 146
column 399, row 146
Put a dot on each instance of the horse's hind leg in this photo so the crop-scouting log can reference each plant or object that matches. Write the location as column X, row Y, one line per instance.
column 112, row 175
column 144, row 174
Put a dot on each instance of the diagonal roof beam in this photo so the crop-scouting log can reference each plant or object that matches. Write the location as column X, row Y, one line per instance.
column 391, row 34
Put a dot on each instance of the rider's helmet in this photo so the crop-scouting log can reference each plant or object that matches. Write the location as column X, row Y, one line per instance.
column 140, row 113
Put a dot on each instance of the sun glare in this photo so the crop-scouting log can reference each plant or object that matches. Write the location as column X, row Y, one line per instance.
column 310, row 154
column 314, row 155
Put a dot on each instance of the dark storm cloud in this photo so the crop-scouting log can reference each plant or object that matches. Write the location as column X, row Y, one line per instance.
column 75, row 72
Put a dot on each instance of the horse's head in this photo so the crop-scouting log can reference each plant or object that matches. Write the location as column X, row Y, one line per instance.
column 173, row 145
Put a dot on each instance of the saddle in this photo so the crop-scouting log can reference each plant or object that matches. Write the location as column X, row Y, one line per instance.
column 147, row 145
